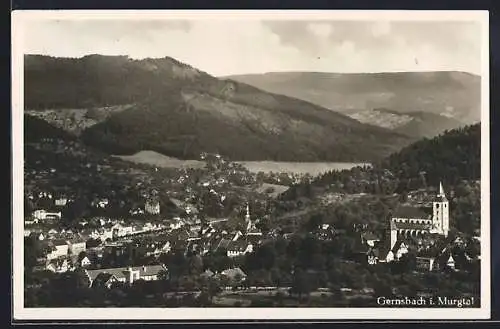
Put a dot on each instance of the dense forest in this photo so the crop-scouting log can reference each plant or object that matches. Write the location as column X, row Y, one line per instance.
column 451, row 157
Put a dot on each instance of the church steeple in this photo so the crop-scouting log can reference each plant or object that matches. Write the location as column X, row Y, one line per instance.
column 247, row 216
column 441, row 212
column 248, row 219
column 441, row 191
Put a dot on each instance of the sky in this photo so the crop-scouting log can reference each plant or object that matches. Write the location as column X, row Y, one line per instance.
column 226, row 47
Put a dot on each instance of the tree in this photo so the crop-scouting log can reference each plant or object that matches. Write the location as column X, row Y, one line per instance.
column 300, row 283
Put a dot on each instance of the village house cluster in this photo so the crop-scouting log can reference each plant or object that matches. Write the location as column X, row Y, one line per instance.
column 114, row 250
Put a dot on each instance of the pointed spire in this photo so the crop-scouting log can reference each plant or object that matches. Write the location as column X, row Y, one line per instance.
column 441, row 189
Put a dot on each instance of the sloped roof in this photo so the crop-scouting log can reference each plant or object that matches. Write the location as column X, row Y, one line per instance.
column 121, row 272
column 101, row 279
column 58, row 242
column 239, row 245
column 223, row 243
column 405, row 211
column 370, row 236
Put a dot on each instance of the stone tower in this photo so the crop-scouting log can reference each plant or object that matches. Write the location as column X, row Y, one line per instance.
column 441, row 213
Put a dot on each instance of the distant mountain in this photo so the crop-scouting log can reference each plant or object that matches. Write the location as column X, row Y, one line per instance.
column 124, row 106
column 453, row 95
column 415, row 124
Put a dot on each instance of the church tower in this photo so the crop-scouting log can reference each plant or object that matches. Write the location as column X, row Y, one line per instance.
column 441, row 213
column 248, row 220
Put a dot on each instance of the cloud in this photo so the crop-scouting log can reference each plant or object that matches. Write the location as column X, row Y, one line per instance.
column 381, row 28
column 224, row 47
column 322, row 30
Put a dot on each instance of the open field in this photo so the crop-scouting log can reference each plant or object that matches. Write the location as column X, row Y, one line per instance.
column 312, row 168
column 160, row 160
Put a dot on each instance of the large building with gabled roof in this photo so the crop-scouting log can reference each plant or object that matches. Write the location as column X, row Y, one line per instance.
column 409, row 221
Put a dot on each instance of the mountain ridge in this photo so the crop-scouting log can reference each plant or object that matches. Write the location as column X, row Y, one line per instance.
column 177, row 110
column 451, row 94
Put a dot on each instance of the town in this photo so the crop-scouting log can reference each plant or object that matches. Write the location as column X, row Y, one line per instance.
column 223, row 236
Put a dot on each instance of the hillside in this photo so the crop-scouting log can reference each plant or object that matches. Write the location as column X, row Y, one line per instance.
column 454, row 95
column 450, row 157
column 36, row 129
column 174, row 109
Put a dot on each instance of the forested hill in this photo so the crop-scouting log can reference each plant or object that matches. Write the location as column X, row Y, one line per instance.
column 449, row 158
column 171, row 108
column 36, row 129
column 452, row 156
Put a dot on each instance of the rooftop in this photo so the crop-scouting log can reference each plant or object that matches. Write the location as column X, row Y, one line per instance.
column 412, row 212
column 121, row 272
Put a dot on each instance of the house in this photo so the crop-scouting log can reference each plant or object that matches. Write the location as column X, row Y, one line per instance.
column 396, row 252
column 52, row 232
column 77, row 245
column 129, row 274
column 59, row 248
column 372, row 256
column 58, row 265
column 37, row 235
column 369, row 238
column 236, row 236
column 193, row 236
column 61, row 202
column 119, row 230
column 425, row 263
column 164, row 247
column 104, row 280
column 85, row 261
column 239, row 248
column 222, row 244
column 451, row 262
column 105, row 234
column 152, row 207
column 100, row 203
column 28, row 221
column 41, row 214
